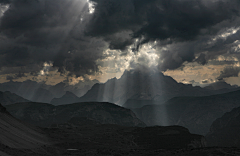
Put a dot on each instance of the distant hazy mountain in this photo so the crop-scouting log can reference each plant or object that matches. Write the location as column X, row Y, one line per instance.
column 42, row 95
column 24, row 89
column 40, row 92
column 67, row 98
column 194, row 113
column 58, row 89
column 15, row 134
column 150, row 86
column 225, row 130
column 7, row 98
column 41, row 114
column 79, row 89
column 134, row 103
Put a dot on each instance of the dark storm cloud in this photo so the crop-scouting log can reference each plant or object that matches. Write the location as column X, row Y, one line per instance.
column 5, row 1
column 201, row 59
column 229, row 72
column 178, row 20
column 38, row 31
column 186, row 26
column 176, row 54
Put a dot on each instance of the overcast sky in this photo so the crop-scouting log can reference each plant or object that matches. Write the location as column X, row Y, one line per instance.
column 194, row 41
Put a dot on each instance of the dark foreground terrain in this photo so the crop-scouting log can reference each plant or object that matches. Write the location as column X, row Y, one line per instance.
column 91, row 140
column 84, row 136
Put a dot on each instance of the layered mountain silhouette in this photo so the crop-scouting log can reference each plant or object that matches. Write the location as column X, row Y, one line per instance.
column 45, row 115
column 133, row 86
column 225, row 130
column 67, row 98
column 194, row 113
column 78, row 89
column 153, row 87
column 7, row 98
column 40, row 92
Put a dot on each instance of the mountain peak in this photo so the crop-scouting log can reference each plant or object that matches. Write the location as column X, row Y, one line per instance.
column 67, row 98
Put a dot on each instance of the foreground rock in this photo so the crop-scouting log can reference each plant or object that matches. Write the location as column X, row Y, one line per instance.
column 225, row 130
column 45, row 115
column 15, row 134
column 82, row 136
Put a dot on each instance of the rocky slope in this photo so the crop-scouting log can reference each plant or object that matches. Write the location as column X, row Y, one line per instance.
column 194, row 113
column 225, row 130
column 7, row 98
column 15, row 134
column 45, row 115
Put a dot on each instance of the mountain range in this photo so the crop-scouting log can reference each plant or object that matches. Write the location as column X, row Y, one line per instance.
column 40, row 92
column 194, row 113
column 67, row 98
column 133, row 90
column 147, row 87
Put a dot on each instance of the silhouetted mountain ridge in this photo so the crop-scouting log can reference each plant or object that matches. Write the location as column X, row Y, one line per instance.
column 194, row 113
column 67, row 98
column 138, row 85
column 224, row 131
column 40, row 92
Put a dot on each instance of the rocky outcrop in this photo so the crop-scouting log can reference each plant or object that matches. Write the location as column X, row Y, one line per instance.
column 225, row 130
column 45, row 115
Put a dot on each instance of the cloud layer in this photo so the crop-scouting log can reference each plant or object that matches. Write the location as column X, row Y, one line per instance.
column 74, row 35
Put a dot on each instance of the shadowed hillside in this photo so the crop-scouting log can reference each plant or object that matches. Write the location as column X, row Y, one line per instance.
column 7, row 98
column 194, row 113
column 45, row 115
column 225, row 130
column 16, row 134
